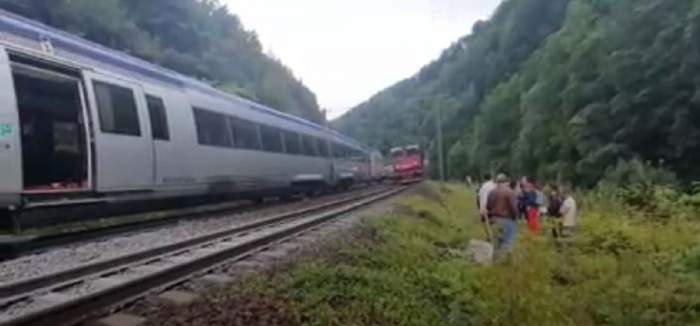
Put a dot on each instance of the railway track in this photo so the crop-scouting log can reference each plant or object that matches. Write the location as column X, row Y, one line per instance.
column 69, row 296
column 23, row 245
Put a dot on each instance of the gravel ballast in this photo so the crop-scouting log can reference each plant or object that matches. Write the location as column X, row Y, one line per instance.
column 220, row 306
column 66, row 257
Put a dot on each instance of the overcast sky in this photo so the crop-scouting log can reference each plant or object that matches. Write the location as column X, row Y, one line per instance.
column 347, row 50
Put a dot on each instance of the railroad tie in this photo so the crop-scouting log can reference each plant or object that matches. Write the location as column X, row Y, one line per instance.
column 176, row 298
column 119, row 319
column 214, row 279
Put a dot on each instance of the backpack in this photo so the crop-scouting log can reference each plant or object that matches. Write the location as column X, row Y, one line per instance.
column 554, row 208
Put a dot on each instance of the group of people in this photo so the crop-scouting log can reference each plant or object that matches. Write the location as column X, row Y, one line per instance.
column 503, row 202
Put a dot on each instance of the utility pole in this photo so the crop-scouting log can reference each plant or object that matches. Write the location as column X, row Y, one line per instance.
column 438, row 113
column 441, row 154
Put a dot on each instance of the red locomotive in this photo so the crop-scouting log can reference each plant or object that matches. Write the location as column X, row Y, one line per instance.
column 408, row 163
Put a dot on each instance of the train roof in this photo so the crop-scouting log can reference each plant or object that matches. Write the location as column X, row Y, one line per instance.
column 34, row 31
column 404, row 148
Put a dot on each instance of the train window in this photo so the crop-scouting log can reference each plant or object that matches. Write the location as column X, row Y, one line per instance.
column 211, row 128
column 309, row 145
column 292, row 143
column 117, row 109
column 245, row 134
column 337, row 150
column 302, row 151
column 322, row 147
column 397, row 153
column 271, row 139
column 159, row 119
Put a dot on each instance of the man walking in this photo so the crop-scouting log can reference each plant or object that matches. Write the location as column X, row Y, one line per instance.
column 483, row 195
column 569, row 213
column 554, row 211
column 502, row 208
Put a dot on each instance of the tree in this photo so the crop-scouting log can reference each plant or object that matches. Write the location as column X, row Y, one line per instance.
column 570, row 88
column 199, row 38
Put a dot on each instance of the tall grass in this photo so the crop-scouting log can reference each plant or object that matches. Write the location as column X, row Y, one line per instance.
column 405, row 269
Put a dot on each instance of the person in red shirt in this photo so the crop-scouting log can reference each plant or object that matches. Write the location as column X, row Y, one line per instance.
column 530, row 205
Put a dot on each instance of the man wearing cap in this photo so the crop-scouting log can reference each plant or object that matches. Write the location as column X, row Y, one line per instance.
column 503, row 210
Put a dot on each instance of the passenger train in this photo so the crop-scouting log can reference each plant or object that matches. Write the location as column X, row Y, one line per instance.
column 83, row 123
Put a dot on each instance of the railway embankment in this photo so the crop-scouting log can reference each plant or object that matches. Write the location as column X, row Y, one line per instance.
column 626, row 265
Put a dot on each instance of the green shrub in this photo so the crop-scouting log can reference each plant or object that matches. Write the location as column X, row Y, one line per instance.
column 622, row 268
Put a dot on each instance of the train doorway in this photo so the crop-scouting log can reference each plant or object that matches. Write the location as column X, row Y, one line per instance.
column 54, row 150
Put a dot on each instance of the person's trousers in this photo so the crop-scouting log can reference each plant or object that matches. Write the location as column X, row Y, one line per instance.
column 505, row 231
column 532, row 214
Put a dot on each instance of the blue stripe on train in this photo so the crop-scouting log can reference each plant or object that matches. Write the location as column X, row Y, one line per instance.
column 31, row 30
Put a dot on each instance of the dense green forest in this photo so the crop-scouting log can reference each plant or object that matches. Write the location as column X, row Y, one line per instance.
column 199, row 38
column 581, row 89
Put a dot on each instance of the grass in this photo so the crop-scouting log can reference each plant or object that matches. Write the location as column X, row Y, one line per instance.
column 399, row 269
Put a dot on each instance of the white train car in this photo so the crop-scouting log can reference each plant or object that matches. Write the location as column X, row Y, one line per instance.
column 377, row 166
column 80, row 122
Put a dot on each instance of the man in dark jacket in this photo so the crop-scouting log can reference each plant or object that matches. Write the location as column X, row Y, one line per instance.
column 503, row 210
column 554, row 211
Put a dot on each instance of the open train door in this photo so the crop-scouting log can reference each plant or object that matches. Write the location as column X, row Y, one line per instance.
column 51, row 114
column 122, row 134
column 10, row 152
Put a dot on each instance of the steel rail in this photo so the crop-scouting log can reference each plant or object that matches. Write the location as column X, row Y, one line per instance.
column 14, row 291
column 77, row 308
column 27, row 244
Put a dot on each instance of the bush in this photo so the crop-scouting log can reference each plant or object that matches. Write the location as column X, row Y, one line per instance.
column 622, row 268
column 636, row 171
column 651, row 191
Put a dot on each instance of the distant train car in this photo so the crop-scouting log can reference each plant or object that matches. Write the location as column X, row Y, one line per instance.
column 81, row 123
column 408, row 163
column 378, row 167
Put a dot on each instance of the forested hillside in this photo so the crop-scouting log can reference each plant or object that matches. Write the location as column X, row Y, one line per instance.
column 580, row 89
column 199, row 38
column 459, row 80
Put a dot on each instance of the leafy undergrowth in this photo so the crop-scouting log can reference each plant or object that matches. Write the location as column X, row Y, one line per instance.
column 620, row 269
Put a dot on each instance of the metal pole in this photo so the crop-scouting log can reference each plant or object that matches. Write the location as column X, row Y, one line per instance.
column 441, row 157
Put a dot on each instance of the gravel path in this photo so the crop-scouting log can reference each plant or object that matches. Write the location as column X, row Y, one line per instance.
column 66, row 257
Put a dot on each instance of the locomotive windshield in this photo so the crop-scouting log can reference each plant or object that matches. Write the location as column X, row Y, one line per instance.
column 397, row 153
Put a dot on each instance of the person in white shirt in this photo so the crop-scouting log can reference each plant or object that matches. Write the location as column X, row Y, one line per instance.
column 484, row 192
column 569, row 213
